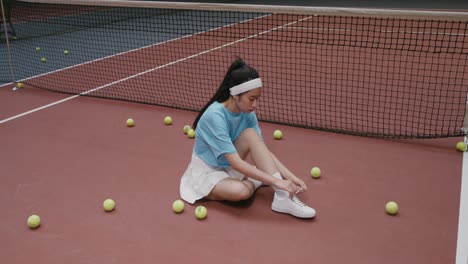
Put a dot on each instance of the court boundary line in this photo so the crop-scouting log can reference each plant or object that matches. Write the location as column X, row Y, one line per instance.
column 462, row 235
column 6, row 84
column 151, row 70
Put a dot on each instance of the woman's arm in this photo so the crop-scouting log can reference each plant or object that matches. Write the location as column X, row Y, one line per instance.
column 248, row 170
column 287, row 174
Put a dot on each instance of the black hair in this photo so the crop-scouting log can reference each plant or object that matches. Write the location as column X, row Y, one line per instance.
column 239, row 72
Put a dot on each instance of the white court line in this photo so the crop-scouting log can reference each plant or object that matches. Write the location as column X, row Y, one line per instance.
column 150, row 70
column 38, row 109
column 462, row 241
column 5, row 84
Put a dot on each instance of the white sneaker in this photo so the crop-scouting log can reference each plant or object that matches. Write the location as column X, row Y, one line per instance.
column 292, row 206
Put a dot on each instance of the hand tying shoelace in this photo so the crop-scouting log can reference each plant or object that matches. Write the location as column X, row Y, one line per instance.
column 298, row 191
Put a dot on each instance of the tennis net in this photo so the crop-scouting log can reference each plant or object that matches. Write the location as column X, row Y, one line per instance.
column 368, row 72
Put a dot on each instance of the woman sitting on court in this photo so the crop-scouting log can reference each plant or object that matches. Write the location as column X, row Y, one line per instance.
column 227, row 132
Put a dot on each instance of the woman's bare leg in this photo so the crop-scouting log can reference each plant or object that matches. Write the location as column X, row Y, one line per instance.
column 249, row 142
column 231, row 189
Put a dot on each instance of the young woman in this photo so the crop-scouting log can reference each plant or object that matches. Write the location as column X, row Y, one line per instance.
column 227, row 132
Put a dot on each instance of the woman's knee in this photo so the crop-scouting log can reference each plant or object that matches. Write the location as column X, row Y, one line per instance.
column 242, row 192
column 249, row 134
column 245, row 141
column 231, row 190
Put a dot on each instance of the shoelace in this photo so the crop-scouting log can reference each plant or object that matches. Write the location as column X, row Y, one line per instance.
column 297, row 201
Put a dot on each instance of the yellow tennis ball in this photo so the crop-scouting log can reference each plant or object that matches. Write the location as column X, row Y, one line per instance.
column 108, row 205
column 315, row 172
column 461, row 146
column 178, row 206
column 34, row 221
column 43, row 59
column 20, row 85
column 191, row 133
column 130, row 122
column 186, row 129
column 201, row 212
column 168, row 120
column 391, row 208
column 278, row 134
column 38, row 49
column 65, row 52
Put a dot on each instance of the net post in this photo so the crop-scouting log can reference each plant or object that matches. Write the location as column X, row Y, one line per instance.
column 10, row 60
column 464, row 129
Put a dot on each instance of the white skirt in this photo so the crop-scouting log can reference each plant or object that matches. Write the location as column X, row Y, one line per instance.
column 200, row 178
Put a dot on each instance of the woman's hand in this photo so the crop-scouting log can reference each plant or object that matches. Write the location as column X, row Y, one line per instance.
column 296, row 181
column 288, row 185
column 300, row 183
column 287, row 174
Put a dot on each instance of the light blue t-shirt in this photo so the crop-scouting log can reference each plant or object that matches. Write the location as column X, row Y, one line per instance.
column 217, row 130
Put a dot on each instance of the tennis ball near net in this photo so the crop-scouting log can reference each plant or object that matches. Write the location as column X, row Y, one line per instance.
column 38, row 49
column 461, row 146
column 178, row 206
column 65, row 52
column 315, row 172
column 201, row 212
column 391, row 208
column 277, row 134
column 191, row 133
column 108, row 205
column 34, row 221
column 130, row 122
column 43, row 59
column 168, row 120
column 20, row 85
column 186, row 129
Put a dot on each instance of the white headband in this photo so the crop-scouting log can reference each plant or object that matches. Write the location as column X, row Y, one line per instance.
column 245, row 87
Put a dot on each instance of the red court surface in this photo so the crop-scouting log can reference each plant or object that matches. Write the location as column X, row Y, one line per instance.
column 62, row 162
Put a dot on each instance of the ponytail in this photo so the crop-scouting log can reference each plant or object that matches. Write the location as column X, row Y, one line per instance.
column 238, row 73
